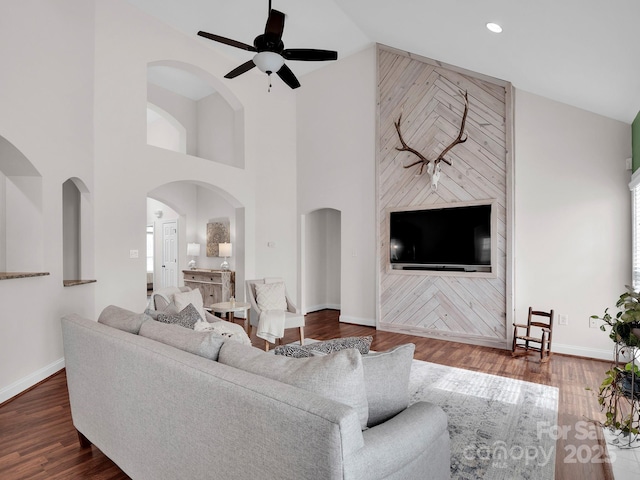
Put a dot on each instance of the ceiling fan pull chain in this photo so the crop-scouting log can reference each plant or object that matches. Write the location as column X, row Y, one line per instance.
column 269, row 77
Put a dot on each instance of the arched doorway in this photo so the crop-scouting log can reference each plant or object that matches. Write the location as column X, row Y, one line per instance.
column 193, row 205
column 321, row 260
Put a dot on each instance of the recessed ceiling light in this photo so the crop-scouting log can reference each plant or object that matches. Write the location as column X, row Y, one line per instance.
column 494, row 27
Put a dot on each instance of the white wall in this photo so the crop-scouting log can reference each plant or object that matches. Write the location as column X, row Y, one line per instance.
column 126, row 42
column 182, row 109
column 573, row 220
column 336, row 169
column 216, row 130
column 46, row 93
column 572, row 204
column 74, row 104
column 213, row 207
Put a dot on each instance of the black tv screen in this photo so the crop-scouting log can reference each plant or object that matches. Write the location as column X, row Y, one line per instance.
column 455, row 237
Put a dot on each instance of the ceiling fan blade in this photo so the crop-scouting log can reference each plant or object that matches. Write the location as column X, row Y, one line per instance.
column 227, row 41
column 288, row 77
column 309, row 54
column 275, row 24
column 245, row 67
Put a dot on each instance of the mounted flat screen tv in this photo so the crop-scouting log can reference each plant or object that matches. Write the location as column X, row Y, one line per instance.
column 449, row 238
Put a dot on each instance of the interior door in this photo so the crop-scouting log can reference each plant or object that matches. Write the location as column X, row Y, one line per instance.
column 169, row 254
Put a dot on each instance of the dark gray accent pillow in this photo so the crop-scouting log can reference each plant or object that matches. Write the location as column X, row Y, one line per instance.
column 187, row 317
column 386, row 378
column 338, row 377
column 122, row 319
column 204, row 344
column 362, row 344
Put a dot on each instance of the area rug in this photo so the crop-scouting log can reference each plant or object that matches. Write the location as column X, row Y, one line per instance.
column 499, row 427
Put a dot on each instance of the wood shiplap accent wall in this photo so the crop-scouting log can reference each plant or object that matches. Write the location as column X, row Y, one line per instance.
column 472, row 309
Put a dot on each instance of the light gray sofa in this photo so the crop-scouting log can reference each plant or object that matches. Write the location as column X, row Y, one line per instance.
column 161, row 413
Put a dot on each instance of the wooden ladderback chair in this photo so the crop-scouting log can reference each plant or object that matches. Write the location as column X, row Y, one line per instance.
column 535, row 335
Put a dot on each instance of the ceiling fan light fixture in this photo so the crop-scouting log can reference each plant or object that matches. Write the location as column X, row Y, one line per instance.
column 268, row 62
column 494, row 27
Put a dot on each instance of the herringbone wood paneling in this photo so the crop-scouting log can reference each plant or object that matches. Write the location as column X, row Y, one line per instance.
column 427, row 94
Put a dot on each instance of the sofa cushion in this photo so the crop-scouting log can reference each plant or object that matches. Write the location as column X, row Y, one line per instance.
column 339, row 377
column 122, row 319
column 386, row 377
column 187, row 317
column 170, row 309
column 271, row 296
column 362, row 344
column 204, row 344
column 193, row 297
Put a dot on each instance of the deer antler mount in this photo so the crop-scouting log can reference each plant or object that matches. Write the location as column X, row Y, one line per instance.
column 433, row 166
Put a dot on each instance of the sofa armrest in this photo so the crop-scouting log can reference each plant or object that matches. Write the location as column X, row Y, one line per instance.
column 396, row 443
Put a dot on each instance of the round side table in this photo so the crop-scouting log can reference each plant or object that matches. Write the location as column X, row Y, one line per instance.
column 229, row 309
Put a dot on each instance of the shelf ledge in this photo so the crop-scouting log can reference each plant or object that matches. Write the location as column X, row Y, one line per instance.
column 73, row 283
column 12, row 275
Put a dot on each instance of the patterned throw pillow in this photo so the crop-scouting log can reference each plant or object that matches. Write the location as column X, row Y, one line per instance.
column 362, row 344
column 271, row 296
column 193, row 297
column 187, row 317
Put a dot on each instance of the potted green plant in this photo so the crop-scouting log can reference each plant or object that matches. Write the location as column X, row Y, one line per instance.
column 625, row 325
column 621, row 382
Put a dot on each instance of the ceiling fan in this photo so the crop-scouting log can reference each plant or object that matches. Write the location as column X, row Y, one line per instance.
column 270, row 52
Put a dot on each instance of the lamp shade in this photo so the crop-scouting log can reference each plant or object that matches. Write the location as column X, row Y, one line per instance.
column 193, row 249
column 224, row 249
column 268, row 62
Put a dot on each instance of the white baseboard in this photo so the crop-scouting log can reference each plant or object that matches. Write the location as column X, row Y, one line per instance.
column 317, row 308
column 367, row 322
column 583, row 351
column 23, row 384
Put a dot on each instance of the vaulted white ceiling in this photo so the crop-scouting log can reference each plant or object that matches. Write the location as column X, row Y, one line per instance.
column 580, row 52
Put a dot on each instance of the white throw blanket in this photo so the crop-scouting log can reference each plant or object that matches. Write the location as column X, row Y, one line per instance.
column 271, row 325
column 229, row 330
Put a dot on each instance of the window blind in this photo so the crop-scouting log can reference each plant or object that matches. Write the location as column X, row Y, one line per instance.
column 635, row 232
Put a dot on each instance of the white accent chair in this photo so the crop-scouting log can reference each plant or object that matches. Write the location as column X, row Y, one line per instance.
column 293, row 317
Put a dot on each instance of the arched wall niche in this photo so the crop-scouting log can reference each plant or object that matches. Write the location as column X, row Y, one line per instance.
column 21, row 222
column 164, row 130
column 77, row 228
column 211, row 114
column 197, row 203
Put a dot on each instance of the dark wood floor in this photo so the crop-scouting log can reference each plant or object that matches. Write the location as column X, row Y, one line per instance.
column 38, row 441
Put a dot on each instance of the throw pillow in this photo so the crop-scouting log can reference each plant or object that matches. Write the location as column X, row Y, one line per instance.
column 362, row 344
column 271, row 296
column 187, row 317
column 386, row 377
column 193, row 297
column 204, row 344
column 338, row 377
column 122, row 319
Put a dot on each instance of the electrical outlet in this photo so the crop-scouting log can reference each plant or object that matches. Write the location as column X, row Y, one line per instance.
column 563, row 319
column 593, row 323
column 133, row 253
